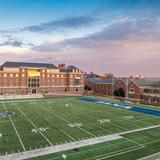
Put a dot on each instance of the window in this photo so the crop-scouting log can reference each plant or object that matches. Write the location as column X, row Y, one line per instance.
column 76, row 82
column 33, row 82
column 43, row 71
column 23, row 75
column 131, row 96
column 11, row 75
column 66, row 89
column 11, row 69
column 131, row 89
column 23, row 70
column 76, row 89
column 16, row 75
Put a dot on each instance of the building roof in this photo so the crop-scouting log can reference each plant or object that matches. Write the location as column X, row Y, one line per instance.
column 99, row 80
column 126, row 81
column 71, row 68
column 92, row 75
column 148, row 82
column 26, row 64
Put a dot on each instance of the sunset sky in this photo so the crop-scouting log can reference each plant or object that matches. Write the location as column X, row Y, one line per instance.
column 103, row 36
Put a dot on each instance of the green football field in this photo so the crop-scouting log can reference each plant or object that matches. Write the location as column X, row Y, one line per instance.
column 42, row 123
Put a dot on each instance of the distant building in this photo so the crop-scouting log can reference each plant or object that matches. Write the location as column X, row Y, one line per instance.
column 145, row 90
column 33, row 78
column 105, row 86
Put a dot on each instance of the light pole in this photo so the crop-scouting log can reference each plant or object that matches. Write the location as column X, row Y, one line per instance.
column 127, row 88
column 112, row 86
column 50, row 74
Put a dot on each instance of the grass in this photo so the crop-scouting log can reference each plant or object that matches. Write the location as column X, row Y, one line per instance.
column 45, row 122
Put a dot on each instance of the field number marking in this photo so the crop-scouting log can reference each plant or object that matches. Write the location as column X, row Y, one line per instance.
column 41, row 129
column 103, row 120
column 73, row 125
column 128, row 117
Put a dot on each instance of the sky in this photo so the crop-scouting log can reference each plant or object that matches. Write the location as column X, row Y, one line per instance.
column 103, row 36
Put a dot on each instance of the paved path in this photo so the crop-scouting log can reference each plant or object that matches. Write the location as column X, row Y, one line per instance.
column 140, row 129
column 59, row 148
column 68, row 146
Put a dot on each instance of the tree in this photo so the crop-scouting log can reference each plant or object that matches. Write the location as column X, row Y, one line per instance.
column 119, row 92
column 87, row 88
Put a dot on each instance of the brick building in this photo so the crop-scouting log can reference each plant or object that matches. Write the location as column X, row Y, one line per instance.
column 105, row 86
column 33, row 78
column 145, row 90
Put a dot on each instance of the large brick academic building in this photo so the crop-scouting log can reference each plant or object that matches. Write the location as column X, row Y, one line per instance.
column 32, row 78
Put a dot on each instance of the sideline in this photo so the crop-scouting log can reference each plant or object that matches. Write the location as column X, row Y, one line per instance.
column 68, row 146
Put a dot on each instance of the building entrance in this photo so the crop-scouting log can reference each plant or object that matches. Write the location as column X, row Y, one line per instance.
column 33, row 84
column 34, row 91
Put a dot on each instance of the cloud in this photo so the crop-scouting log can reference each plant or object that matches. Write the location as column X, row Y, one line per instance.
column 14, row 43
column 126, row 41
column 127, row 45
column 70, row 22
column 120, row 20
column 123, row 29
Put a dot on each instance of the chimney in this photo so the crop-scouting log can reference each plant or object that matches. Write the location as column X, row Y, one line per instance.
column 61, row 66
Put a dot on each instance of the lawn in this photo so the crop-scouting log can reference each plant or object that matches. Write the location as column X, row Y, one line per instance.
column 47, row 122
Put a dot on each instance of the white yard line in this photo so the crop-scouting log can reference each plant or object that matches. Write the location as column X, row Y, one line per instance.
column 20, row 140
column 92, row 123
column 77, row 127
column 109, row 122
column 60, row 117
column 134, row 142
column 72, row 145
column 65, row 133
column 120, row 153
column 150, row 157
column 59, row 148
column 151, row 142
column 104, row 156
column 111, row 153
column 34, row 126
